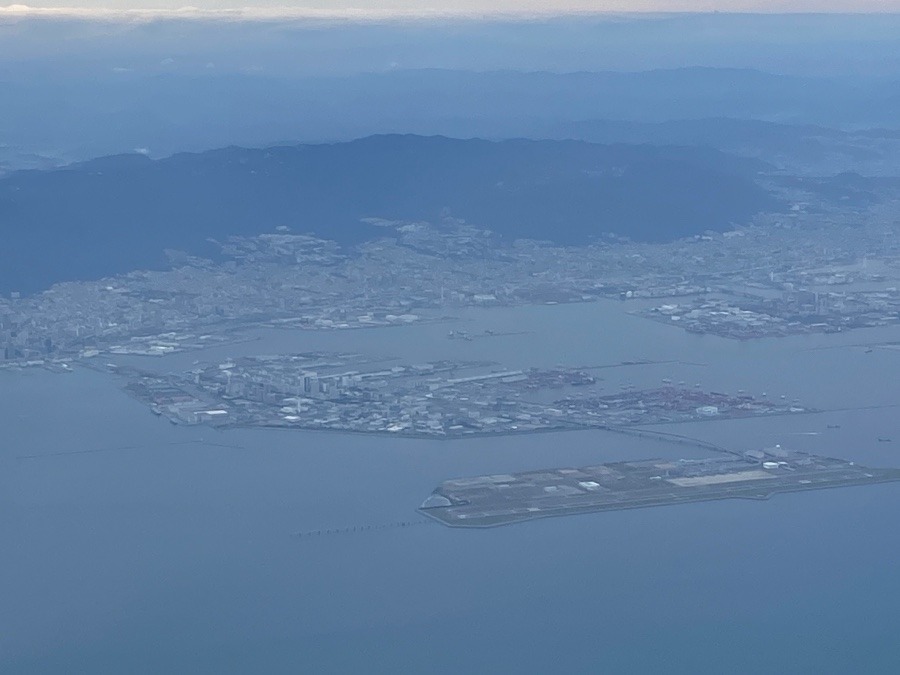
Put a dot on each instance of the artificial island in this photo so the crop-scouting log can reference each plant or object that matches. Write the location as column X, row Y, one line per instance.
column 490, row 501
column 443, row 399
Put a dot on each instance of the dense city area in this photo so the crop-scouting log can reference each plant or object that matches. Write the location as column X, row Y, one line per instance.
column 442, row 399
column 812, row 270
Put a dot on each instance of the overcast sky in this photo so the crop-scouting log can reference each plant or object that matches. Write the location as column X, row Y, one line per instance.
column 380, row 8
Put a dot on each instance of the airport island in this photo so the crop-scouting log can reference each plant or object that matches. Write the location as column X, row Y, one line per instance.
column 503, row 499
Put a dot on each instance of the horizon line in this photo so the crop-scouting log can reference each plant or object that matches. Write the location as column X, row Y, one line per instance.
column 359, row 15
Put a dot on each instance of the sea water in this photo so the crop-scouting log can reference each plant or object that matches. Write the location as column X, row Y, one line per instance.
column 134, row 546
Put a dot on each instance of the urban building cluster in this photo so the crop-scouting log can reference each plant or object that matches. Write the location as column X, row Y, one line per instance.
column 440, row 399
column 792, row 313
column 810, row 270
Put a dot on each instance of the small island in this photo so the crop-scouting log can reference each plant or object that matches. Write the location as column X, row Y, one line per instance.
column 503, row 499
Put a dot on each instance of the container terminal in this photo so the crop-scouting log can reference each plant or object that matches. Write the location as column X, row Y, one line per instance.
column 503, row 499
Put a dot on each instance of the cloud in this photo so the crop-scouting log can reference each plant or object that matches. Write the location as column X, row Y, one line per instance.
column 451, row 9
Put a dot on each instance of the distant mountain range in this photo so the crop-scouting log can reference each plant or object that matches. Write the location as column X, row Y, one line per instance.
column 119, row 213
column 803, row 149
column 107, row 111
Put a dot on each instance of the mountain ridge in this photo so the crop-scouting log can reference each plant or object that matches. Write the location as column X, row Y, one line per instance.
column 115, row 214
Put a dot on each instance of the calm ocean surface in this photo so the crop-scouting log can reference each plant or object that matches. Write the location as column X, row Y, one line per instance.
column 134, row 546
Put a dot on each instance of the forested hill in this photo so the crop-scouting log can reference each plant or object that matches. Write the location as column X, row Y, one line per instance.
column 116, row 214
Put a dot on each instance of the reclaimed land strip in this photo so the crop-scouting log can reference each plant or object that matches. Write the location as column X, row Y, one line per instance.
column 501, row 499
column 648, row 503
